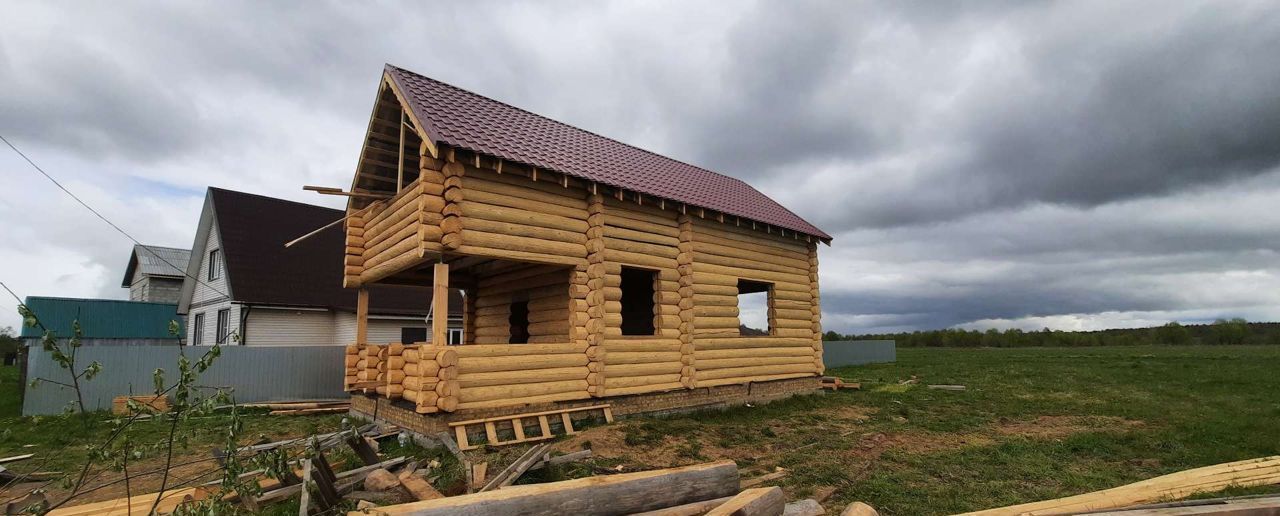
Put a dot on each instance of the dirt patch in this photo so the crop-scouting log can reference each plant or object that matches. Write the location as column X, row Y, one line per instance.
column 1052, row 427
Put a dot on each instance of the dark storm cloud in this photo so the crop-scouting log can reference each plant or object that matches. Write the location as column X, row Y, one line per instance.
column 1108, row 162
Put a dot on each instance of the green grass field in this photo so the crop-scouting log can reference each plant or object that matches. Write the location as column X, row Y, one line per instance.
column 1033, row 423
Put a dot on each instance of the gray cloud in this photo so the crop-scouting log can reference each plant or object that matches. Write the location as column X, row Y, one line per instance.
column 1023, row 163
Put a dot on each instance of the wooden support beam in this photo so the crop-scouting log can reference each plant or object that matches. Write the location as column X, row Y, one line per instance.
column 329, row 190
column 400, row 162
column 440, row 305
column 362, row 316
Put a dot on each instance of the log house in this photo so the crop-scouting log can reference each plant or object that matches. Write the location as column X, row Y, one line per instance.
column 589, row 269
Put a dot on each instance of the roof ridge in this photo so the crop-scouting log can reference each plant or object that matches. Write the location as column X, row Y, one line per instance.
column 97, row 300
column 162, row 247
column 277, row 199
column 568, row 125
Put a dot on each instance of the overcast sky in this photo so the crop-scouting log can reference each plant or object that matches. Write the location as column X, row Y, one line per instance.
column 1076, row 165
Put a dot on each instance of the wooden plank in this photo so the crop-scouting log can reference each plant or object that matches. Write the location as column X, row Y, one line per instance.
column 304, row 504
column 528, row 414
column 16, row 458
column 761, row 501
column 440, row 305
column 362, row 317
column 568, row 423
column 518, row 427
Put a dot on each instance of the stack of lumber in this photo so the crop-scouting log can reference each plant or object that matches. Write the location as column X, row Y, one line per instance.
column 392, row 239
column 120, row 404
column 391, row 370
column 1245, row 473
column 430, row 377
column 298, row 408
column 513, row 217
column 544, row 290
column 495, row 376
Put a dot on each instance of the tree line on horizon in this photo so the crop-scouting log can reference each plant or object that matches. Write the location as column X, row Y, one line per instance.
column 1221, row 332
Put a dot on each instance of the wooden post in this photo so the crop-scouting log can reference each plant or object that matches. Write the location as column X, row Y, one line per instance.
column 440, row 306
column 595, row 275
column 362, row 317
column 684, row 266
column 400, row 162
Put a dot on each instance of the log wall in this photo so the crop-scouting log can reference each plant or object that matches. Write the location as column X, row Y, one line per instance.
column 563, row 249
column 546, row 290
column 724, row 254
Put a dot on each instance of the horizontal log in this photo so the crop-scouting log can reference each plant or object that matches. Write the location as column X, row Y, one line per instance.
column 634, row 344
column 640, row 212
column 522, row 244
column 715, row 311
column 566, row 198
column 478, row 210
column 750, row 342
column 660, row 251
column 474, row 394
column 517, row 363
column 642, row 357
column 727, row 363
column 800, row 279
column 707, row 250
column 639, row 259
column 524, row 230
column 521, row 179
column 518, row 350
column 789, row 351
column 749, row 372
column 748, row 235
column 616, row 220
column 611, row 370
column 472, row 248
column 640, row 236
column 521, row 377
column 526, row 204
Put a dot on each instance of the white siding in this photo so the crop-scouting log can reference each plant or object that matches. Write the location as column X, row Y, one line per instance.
column 207, row 300
column 203, row 292
column 380, row 330
column 211, row 323
column 277, row 327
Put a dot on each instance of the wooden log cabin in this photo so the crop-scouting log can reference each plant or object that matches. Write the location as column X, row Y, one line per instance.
column 592, row 271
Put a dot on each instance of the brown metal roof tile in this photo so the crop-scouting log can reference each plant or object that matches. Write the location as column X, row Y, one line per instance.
column 459, row 118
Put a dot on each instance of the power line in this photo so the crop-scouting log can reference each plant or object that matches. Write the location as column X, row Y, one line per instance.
column 104, row 219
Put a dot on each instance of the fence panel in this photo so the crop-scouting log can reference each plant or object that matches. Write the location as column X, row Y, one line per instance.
column 856, row 352
column 254, row 374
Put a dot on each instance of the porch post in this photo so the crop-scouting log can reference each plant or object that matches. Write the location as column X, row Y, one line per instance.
column 440, row 306
column 362, row 317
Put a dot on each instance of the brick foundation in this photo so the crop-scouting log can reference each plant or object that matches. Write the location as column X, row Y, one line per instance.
column 401, row 413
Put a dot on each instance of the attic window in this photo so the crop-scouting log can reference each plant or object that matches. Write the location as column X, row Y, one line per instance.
column 755, row 300
column 637, row 301
column 215, row 264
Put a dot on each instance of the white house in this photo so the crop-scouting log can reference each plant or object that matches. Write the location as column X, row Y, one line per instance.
column 254, row 291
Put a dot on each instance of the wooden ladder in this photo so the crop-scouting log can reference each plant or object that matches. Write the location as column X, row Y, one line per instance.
column 517, row 424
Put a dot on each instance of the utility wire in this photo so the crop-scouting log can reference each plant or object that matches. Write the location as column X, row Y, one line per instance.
column 104, row 219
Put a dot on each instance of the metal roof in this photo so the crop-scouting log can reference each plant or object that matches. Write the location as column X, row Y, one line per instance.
column 466, row 120
column 102, row 318
column 150, row 259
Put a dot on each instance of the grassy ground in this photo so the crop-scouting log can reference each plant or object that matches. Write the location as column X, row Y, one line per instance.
column 1033, row 424
column 10, row 393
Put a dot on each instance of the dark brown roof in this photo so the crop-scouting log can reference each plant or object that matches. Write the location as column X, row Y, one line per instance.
column 253, row 230
column 462, row 119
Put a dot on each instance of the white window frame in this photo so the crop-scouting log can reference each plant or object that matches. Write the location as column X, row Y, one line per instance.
column 454, row 337
column 215, row 264
column 197, row 329
column 224, row 326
